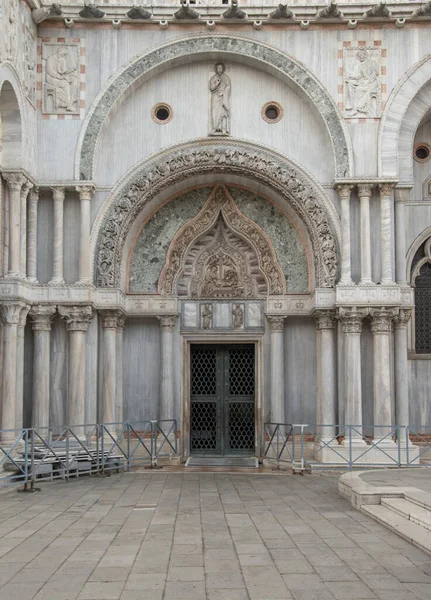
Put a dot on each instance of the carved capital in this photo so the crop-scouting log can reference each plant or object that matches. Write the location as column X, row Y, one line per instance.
column 121, row 321
column 34, row 195
column 325, row 319
column 344, row 191
column 14, row 180
column 25, row 188
column 85, row 192
column 386, row 189
column 110, row 318
column 351, row 319
column 276, row 323
column 381, row 319
column 42, row 316
column 11, row 313
column 58, row 194
column 364, row 190
column 402, row 318
column 167, row 323
column 77, row 317
column 402, row 194
column 23, row 316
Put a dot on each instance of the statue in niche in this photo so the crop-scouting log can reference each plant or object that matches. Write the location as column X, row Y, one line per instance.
column 238, row 316
column 62, row 81
column 362, row 85
column 207, row 316
column 220, row 101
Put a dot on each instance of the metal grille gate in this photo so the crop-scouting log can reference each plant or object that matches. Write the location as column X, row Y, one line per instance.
column 222, row 400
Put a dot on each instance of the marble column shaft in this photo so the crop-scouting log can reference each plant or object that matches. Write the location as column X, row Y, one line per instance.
column 32, row 236
column 77, row 321
column 57, row 267
column 364, row 192
column 344, row 193
column 167, row 325
column 15, row 182
column 326, row 372
column 20, row 368
column 386, row 201
column 23, row 245
column 401, row 195
column 351, row 320
column 402, row 416
column 85, row 194
column 119, row 368
column 276, row 324
column 41, row 316
column 110, row 319
column 10, row 313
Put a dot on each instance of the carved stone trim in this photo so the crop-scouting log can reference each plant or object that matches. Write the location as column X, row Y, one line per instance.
column 225, row 46
column 325, row 319
column 110, row 318
column 276, row 323
column 121, row 321
column 214, row 157
column 42, row 316
column 221, row 203
column 23, row 316
column 85, row 192
column 364, row 190
column 402, row 318
column 386, row 190
column 381, row 319
column 14, row 180
column 344, row 191
column 77, row 317
column 10, row 312
column 351, row 319
column 167, row 323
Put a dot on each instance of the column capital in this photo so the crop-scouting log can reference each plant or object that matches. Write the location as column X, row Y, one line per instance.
column 110, row 318
column 11, row 312
column 364, row 190
column 381, row 319
column 14, row 180
column 386, row 189
column 325, row 319
column 34, row 194
column 85, row 191
column 351, row 318
column 42, row 316
column 167, row 322
column 58, row 194
column 276, row 322
column 23, row 316
column 402, row 194
column 402, row 318
column 344, row 191
column 77, row 317
column 121, row 323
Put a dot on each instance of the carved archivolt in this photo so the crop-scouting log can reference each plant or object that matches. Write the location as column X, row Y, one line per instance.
column 215, row 157
column 221, row 270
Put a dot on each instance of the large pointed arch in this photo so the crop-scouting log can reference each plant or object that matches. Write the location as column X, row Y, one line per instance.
column 248, row 51
column 211, row 156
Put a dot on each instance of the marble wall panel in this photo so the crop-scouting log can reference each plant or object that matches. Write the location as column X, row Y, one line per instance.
column 45, row 235
column 420, row 393
column 28, row 375
column 58, row 374
column 91, row 371
column 367, row 374
column 72, row 236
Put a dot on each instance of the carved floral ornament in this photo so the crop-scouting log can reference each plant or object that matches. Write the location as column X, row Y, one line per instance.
column 212, row 157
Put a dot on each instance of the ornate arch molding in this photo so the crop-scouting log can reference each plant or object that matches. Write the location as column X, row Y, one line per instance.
column 407, row 105
column 212, row 157
column 421, row 238
column 204, row 45
column 9, row 74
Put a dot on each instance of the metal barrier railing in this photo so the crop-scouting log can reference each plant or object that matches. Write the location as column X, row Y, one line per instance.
column 53, row 453
column 420, row 438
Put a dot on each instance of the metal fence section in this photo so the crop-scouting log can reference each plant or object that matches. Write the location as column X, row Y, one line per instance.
column 419, row 438
column 53, row 453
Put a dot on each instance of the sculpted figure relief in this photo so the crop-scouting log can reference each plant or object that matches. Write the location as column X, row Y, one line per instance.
column 61, row 91
column 238, row 316
column 362, row 84
column 220, row 88
column 11, row 39
column 207, row 316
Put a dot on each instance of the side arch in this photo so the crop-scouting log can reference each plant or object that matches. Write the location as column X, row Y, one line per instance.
column 210, row 156
column 213, row 46
column 13, row 130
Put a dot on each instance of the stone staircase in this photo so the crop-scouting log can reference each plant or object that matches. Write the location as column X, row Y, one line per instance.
column 405, row 511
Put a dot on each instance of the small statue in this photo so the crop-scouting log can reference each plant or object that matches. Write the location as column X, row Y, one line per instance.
column 379, row 10
column 237, row 316
column 281, row 12
column 207, row 316
column 90, row 11
column 423, row 10
column 139, row 12
column 185, row 12
column 40, row 14
column 234, row 12
column 220, row 88
column 330, row 12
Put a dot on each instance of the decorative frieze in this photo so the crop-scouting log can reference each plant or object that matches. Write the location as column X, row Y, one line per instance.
column 77, row 317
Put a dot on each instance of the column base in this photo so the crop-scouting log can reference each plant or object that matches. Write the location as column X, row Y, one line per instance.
column 32, row 280
column 83, row 282
column 387, row 282
column 56, row 281
column 348, row 282
column 366, row 282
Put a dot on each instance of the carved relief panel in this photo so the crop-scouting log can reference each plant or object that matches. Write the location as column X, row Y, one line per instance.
column 222, row 315
column 29, row 66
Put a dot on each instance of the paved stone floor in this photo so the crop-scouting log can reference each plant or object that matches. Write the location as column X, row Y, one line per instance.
column 414, row 477
column 177, row 536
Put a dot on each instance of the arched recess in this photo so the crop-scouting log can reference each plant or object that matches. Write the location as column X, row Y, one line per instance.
column 409, row 102
column 213, row 46
column 11, row 122
column 168, row 169
column 419, row 276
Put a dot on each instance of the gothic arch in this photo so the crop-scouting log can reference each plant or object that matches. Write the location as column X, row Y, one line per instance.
column 168, row 168
column 177, row 52
column 408, row 103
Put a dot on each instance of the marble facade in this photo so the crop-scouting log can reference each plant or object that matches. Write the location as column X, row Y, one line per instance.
column 127, row 234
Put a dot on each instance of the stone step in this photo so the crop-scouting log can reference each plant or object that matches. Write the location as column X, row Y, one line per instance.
column 416, row 534
column 409, row 510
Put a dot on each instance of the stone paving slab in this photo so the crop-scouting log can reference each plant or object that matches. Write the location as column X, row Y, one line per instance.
column 201, row 536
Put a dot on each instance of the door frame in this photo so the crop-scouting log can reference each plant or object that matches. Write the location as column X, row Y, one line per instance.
column 222, row 339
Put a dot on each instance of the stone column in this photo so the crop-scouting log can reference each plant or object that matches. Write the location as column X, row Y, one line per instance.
column 401, row 195
column 119, row 364
column 10, row 313
column 20, row 368
column 386, row 201
column 32, row 236
column 110, row 320
column 381, row 326
column 85, row 194
column 15, row 182
column 41, row 316
column 351, row 320
column 77, row 320
column 167, row 325
column 344, row 193
column 23, row 245
column 401, row 368
column 364, row 192
column 326, row 373
column 276, row 324
column 57, row 268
